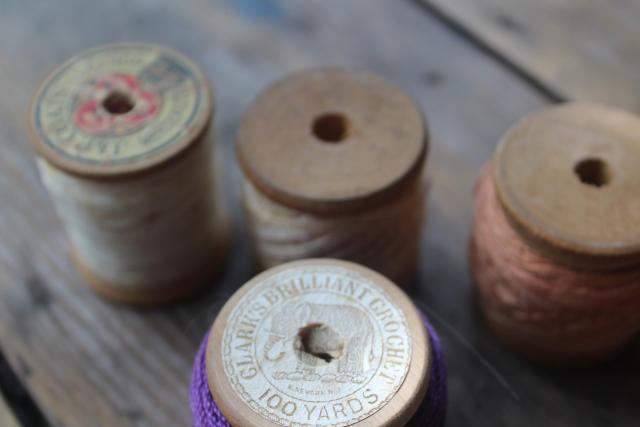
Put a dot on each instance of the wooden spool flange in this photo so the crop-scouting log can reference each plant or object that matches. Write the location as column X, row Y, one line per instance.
column 318, row 342
column 568, row 180
column 331, row 140
column 118, row 114
column 71, row 125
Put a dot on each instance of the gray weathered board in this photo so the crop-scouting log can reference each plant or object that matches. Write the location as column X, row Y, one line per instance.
column 86, row 362
column 581, row 49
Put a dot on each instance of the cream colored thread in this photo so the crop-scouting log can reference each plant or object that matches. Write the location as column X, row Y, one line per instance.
column 385, row 237
column 146, row 231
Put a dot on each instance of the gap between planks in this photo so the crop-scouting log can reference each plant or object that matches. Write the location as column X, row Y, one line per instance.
column 17, row 408
column 505, row 60
column 578, row 49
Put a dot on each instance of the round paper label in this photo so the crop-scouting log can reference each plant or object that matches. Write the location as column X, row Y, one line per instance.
column 120, row 104
column 316, row 346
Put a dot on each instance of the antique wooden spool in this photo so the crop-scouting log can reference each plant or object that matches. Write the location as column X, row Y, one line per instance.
column 334, row 162
column 123, row 145
column 318, row 342
column 568, row 181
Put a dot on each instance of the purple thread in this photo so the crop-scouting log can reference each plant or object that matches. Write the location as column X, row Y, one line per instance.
column 432, row 412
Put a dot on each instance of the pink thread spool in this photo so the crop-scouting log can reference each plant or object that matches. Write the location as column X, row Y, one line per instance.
column 556, row 244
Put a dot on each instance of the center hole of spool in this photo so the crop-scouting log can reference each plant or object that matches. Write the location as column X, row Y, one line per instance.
column 593, row 172
column 118, row 103
column 331, row 127
column 321, row 341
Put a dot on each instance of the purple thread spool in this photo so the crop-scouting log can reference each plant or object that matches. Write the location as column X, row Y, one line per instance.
column 429, row 411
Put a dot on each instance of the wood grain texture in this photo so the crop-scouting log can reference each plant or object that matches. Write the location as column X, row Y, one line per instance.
column 87, row 362
column 582, row 49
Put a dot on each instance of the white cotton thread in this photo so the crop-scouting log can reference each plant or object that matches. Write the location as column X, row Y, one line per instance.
column 143, row 232
column 385, row 237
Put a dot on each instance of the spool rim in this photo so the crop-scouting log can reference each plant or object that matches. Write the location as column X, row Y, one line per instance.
column 568, row 243
column 196, row 130
column 396, row 412
column 320, row 201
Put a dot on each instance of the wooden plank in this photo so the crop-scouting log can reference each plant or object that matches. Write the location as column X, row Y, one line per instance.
column 7, row 419
column 581, row 49
column 87, row 362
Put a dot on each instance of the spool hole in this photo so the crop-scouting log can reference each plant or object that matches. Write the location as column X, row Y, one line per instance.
column 118, row 102
column 321, row 341
column 592, row 171
column 331, row 127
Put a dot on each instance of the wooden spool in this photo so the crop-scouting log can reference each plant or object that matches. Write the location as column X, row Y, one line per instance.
column 122, row 135
column 327, row 143
column 318, row 342
column 568, row 180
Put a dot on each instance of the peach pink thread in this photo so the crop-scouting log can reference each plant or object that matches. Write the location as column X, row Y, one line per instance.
column 527, row 297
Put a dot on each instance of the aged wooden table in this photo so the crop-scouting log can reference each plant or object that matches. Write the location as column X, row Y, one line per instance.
column 69, row 359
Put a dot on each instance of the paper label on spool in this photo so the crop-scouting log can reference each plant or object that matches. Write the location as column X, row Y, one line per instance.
column 316, row 346
column 119, row 104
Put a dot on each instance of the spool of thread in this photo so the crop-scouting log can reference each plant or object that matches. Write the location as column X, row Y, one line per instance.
column 333, row 162
column 123, row 147
column 319, row 342
column 556, row 244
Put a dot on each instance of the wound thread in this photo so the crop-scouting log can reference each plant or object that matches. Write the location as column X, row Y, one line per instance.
column 143, row 233
column 385, row 238
column 544, row 309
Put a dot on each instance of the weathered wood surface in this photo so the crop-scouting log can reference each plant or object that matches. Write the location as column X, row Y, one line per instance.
column 580, row 49
column 89, row 363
